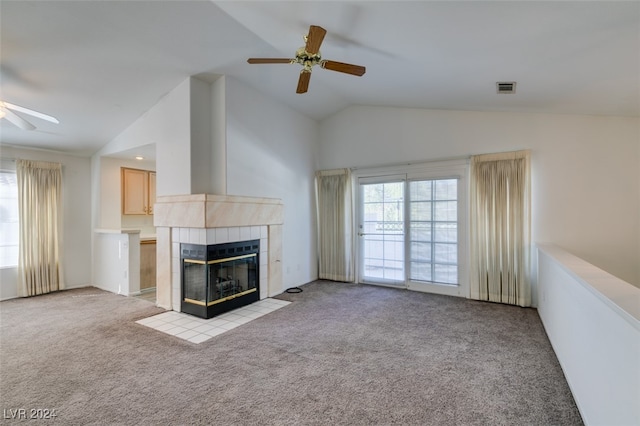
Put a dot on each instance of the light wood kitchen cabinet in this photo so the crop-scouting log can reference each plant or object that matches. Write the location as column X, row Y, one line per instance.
column 147, row 264
column 138, row 191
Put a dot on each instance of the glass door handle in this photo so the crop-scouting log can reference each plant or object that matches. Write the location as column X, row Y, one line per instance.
column 361, row 234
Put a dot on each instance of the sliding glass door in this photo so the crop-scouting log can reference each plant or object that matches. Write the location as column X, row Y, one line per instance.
column 412, row 233
column 381, row 232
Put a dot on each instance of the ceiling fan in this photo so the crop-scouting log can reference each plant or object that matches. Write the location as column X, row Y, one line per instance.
column 308, row 56
column 7, row 111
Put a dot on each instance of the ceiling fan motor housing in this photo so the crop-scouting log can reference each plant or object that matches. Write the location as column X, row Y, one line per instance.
column 306, row 59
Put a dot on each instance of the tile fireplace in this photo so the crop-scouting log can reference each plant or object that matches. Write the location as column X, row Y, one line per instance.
column 205, row 219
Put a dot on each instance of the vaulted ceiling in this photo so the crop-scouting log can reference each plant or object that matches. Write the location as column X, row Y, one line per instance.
column 99, row 65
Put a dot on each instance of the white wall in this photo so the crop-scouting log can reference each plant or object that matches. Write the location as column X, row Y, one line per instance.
column 118, row 270
column 271, row 153
column 110, row 211
column 168, row 126
column 201, row 142
column 76, row 213
column 585, row 169
column 593, row 322
column 218, row 163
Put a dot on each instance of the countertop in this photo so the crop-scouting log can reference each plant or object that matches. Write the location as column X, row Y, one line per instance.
column 143, row 236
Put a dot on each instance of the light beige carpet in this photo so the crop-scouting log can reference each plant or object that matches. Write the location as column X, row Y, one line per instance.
column 339, row 354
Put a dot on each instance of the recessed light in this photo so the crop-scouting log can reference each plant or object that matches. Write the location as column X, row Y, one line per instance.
column 139, row 157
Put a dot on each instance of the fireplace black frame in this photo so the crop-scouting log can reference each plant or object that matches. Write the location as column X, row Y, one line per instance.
column 207, row 256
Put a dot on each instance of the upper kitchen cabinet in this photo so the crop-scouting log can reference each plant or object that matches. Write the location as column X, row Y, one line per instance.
column 138, row 191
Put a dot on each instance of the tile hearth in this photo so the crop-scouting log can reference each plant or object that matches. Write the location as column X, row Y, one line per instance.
column 198, row 330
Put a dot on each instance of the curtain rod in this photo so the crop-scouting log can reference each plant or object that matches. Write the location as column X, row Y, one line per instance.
column 413, row 163
column 14, row 161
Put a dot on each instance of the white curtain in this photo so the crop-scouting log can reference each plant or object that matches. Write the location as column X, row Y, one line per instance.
column 336, row 257
column 39, row 206
column 500, row 227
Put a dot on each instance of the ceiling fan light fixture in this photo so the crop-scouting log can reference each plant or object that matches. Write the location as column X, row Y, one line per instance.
column 306, row 59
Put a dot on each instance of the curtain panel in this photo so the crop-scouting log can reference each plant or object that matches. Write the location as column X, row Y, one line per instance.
column 334, row 208
column 39, row 210
column 500, row 227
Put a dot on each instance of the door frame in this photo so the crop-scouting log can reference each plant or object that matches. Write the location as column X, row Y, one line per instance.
column 456, row 168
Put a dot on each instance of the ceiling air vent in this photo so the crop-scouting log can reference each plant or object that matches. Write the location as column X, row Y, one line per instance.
column 506, row 86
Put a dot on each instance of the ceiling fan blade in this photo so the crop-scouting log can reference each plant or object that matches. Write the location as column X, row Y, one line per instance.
column 314, row 39
column 342, row 67
column 31, row 112
column 303, row 81
column 269, row 61
column 17, row 120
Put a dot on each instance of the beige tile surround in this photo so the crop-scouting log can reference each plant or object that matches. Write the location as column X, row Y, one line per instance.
column 215, row 219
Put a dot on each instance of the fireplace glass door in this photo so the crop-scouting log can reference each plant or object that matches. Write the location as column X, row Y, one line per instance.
column 220, row 277
column 231, row 277
column 194, row 281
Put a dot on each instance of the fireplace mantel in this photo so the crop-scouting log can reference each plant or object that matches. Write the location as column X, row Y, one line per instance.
column 216, row 211
column 205, row 217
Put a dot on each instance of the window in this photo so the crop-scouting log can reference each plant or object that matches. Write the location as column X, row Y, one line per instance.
column 434, row 231
column 9, row 225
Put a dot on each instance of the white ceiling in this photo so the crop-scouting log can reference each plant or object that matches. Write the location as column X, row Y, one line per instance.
column 99, row 65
